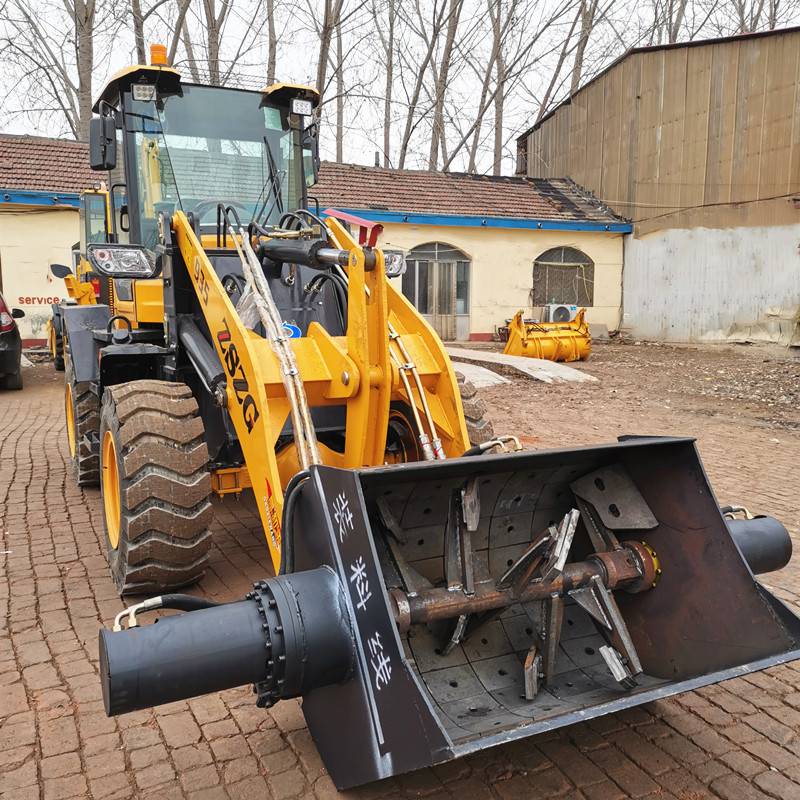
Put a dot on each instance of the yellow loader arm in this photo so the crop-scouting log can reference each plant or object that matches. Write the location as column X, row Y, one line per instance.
column 361, row 370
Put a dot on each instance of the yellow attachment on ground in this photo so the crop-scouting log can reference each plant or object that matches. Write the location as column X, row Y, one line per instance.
column 554, row 341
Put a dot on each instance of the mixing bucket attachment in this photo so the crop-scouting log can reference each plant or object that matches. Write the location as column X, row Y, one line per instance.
column 474, row 601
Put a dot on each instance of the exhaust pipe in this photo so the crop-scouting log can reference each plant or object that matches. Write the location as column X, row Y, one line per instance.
column 445, row 607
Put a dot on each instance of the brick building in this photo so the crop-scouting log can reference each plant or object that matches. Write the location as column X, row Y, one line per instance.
column 479, row 248
column 40, row 183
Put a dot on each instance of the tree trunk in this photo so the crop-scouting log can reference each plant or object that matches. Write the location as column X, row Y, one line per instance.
column 138, row 31
column 84, row 47
column 543, row 107
column 588, row 8
column 330, row 20
column 387, row 96
column 212, row 32
column 441, row 81
column 339, row 96
column 183, row 7
column 414, row 100
column 499, row 98
column 272, row 43
column 499, row 103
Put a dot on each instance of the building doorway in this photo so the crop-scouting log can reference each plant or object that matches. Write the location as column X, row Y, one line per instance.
column 437, row 282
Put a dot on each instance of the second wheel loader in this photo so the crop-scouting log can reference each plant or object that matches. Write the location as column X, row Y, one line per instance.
column 439, row 594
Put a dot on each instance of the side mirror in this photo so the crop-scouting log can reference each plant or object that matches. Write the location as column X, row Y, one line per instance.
column 310, row 143
column 102, row 143
column 17, row 313
column 60, row 270
column 124, row 218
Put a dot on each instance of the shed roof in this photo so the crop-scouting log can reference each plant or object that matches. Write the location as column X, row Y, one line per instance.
column 452, row 193
column 36, row 163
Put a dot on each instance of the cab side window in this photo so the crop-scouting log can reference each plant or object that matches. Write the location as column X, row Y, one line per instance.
column 96, row 226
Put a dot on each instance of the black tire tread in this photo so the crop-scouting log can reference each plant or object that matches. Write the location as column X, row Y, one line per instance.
column 86, row 411
column 165, row 486
column 479, row 428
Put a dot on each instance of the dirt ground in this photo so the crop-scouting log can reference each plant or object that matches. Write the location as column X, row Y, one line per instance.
column 740, row 739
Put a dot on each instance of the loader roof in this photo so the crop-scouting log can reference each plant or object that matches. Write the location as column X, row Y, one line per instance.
column 449, row 193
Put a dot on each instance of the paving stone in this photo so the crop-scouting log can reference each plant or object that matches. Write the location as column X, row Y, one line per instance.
column 734, row 740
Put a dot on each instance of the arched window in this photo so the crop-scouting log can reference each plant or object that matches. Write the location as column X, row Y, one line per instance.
column 436, row 281
column 563, row 275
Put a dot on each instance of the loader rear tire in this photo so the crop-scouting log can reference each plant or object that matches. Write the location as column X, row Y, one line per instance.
column 155, row 487
column 56, row 343
column 479, row 428
column 82, row 409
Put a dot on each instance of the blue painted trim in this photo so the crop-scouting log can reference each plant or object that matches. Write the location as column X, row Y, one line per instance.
column 30, row 198
column 459, row 221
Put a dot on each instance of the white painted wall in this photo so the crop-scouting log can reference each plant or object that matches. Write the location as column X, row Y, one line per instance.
column 31, row 239
column 502, row 266
column 712, row 284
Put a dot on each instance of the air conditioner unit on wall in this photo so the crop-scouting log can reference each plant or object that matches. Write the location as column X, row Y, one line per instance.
column 559, row 312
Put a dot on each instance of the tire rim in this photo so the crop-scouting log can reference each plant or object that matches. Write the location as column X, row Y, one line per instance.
column 111, row 489
column 402, row 446
column 70, row 414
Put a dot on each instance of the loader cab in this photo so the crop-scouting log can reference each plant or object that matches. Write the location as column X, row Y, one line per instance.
column 190, row 147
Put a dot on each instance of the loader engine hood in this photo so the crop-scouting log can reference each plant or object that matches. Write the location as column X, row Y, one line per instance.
column 459, row 639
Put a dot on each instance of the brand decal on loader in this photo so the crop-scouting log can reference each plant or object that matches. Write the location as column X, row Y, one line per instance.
column 202, row 283
column 233, row 366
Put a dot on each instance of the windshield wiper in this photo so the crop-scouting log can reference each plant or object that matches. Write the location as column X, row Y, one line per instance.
column 275, row 182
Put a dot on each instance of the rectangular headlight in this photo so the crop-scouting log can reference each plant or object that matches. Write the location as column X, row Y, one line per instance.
column 302, row 108
column 121, row 261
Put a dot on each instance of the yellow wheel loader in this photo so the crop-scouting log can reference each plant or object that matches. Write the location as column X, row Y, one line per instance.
column 441, row 596
column 83, row 285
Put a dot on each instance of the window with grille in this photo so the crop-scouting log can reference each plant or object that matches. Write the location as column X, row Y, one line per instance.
column 563, row 275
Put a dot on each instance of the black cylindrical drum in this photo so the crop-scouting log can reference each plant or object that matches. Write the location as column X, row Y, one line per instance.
column 764, row 542
column 291, row 635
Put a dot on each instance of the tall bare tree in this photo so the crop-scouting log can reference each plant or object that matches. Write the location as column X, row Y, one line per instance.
column 386, row 35
column 442, row 74
column 272, row 43
column 48, row 49
column 165, row 30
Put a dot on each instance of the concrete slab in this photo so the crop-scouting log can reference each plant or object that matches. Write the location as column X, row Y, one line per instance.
column 479, row 376
column 537, row 368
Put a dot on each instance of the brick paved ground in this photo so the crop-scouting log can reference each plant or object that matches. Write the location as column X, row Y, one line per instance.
column 737, row 740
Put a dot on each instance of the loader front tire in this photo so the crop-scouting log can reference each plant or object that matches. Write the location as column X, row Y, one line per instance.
column 82, row 410
column 479, row 428
column 155, row 487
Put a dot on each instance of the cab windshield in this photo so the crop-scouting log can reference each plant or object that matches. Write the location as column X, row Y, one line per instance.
column 208, row 145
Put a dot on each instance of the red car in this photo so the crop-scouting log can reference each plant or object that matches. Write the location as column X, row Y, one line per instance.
column 10, row 347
